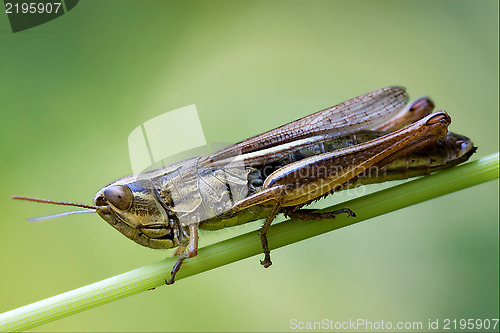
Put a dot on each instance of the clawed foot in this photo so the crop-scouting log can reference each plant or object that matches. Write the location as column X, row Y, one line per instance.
column 309, row 214
column 267, row 260
column 172, row 278
column 349, row 212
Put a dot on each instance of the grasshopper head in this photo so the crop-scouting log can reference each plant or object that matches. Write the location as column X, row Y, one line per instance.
column 132, row 207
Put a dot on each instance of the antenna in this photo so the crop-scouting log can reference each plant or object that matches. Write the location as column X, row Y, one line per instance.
column 90, row 208
column 53, row 202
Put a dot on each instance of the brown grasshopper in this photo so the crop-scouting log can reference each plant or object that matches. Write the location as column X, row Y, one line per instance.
column 371, row 138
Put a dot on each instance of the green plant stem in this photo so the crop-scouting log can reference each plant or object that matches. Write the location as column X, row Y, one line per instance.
column 248, row 245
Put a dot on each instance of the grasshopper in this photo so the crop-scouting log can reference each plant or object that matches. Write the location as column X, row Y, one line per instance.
column 371, row 138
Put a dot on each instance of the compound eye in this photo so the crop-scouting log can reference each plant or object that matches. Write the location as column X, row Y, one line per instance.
column 119, row 196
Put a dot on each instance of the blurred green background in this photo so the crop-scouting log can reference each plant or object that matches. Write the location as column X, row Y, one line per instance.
column 73, row 89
